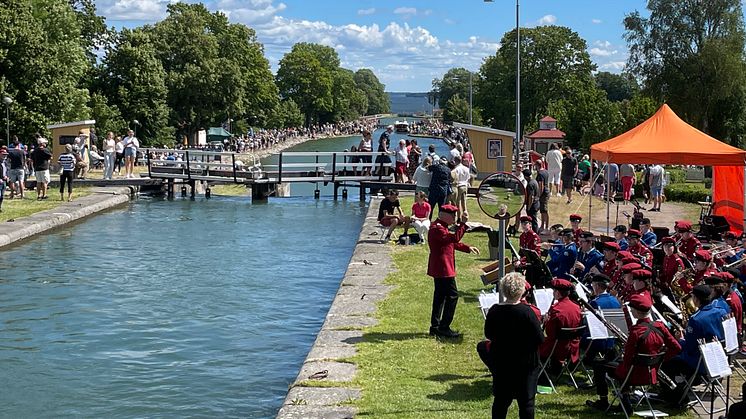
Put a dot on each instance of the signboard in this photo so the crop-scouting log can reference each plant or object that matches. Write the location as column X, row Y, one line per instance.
column 494, row 148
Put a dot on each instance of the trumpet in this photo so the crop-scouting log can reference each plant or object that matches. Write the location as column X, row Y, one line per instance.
column 736, row 264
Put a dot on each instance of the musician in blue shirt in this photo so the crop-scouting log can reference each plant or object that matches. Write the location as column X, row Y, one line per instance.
column 603, row 301
column 704, row 324
column 565, row 261
column 620, row 235
column 588, row 256
column 649, row 238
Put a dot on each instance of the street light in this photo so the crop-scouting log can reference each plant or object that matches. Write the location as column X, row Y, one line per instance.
column 471, row 93
column 517, row 78
column 7, row 101
column 136, row 123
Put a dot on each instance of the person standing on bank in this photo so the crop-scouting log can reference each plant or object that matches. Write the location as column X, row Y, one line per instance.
column 41, row 157
column 442, row 268
column 67, row 161
column 109, row 147
column 131, row 144
column 514, row 360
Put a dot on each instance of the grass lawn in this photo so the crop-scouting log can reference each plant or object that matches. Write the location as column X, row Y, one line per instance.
column 406, row 373
column 16, row 208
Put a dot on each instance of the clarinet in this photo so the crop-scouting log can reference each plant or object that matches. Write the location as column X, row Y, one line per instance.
column 622, row 338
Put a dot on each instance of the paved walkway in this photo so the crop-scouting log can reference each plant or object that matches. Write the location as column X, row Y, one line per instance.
column 352, row 310
column 98, row 200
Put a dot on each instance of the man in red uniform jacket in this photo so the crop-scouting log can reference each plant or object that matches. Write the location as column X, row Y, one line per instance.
column 702, row 268
column 689, row 244
column 577, row 232
column 563, row 314
column 638, row 249
column 442, row 267
column 529, row 239
column 645, row 337
column 672, row 264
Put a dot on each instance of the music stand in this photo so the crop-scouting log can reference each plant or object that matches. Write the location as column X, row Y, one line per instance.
column 537, row 271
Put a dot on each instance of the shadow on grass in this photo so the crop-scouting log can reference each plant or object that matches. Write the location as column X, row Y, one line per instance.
column 447, row 377
column 462, row 392
column 380, row 337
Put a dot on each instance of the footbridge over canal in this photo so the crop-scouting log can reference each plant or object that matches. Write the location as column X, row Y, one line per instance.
column 364, row 170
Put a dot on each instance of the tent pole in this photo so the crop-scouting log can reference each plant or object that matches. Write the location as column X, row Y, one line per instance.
column 744, row 196
column 608, row 196
column 590, row 198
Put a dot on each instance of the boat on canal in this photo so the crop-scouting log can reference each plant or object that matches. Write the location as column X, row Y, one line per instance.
column 401, row 127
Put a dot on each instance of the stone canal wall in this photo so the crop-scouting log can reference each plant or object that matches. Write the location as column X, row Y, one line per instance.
column 352, row 310
column 99, row 200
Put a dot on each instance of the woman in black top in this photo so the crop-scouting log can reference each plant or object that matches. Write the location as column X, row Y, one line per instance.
column 511, row 353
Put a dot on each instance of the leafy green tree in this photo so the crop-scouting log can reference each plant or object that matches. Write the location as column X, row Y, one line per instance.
column 306, row 75
column 287, row 114
column 690, row 54
column 586, row 116
column 637, row 110
column 454, row 82
column 42, row 63
column 554, row 61
column 136, row 83
column 349, row 101
column 215, row 70
column 107, row 116
column 378, row 99
column 618, row 87
column 456, row 110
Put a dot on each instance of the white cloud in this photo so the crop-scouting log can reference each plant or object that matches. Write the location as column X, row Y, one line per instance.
column 613, row 66
column 405, row 11
column 547, row 20
column 148, row 10
column 364, row 12
column 596, row 21
column 603, row 49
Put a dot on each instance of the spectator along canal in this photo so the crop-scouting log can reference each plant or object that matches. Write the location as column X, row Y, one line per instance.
column 173, row 308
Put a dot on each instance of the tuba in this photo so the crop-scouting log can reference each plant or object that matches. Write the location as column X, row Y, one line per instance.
column 684, row 299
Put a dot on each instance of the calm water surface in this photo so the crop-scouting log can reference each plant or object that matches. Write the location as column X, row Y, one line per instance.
column 170, row 309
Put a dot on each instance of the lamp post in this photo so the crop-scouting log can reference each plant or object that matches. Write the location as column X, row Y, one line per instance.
column 517, row 79
column 136, row 123
column 7, row 101
column 471, row 94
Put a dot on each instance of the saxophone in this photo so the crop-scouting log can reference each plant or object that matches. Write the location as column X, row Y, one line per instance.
column 684, row 299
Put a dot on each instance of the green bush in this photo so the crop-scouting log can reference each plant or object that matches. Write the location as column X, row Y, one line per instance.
column 687, row 192
column 677, row 175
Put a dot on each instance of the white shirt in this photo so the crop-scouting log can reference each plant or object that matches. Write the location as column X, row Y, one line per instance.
column 454, row 153
column 109, row 145
column 402, row 156
column 422, row 177
column 131, row 142
column 554, row 159
column 119, row 147
column 462, row 175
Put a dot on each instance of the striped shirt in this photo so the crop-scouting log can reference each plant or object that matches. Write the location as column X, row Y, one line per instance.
column 67, row 161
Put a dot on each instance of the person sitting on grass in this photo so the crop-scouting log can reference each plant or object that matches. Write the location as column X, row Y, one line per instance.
column 387, row 217
column 421, row 215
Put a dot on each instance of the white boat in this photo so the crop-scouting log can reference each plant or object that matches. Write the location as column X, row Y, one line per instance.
column 401, row 126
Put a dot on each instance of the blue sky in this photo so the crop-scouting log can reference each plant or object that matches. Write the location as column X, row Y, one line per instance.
column 406, row 43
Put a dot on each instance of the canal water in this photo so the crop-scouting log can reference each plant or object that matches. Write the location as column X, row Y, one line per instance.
column 179, row 308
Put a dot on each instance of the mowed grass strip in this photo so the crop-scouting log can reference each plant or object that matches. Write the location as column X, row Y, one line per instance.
column 17, row 208
column 405, row 373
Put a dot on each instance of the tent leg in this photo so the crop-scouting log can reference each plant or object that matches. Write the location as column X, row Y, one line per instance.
column 608, row 197
column 590, row 197
column 744, row 198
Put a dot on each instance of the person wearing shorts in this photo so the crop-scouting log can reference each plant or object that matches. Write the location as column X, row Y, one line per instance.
column 131, row 144
column 40, row 158
column 554, row 167
column 387, row 216
column 656, row 186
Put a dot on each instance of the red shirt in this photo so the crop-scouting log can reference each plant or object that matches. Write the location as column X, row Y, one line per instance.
column 533, row 308
column 637, row 343
column 563, row 314
column 671, row 265
column 699, row 276
column 576, row 235
column 688, row 247
column 421, row 210
column 443, row 245
column 734, row 302
column 531, row 241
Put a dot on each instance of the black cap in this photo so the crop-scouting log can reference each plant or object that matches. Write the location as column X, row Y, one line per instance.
column 702, row 292
column 587, row 235
column 557, row 227
column 604, row 279
column 621, row 228
column 645, row 221
column 566, row 232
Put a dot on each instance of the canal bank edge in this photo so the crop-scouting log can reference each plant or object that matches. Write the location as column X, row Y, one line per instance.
column 100, row 199
column 352, row 310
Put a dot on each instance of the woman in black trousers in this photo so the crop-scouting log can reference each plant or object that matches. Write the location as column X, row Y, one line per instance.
column 513, row 359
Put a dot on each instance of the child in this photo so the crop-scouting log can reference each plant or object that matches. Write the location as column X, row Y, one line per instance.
column 599, row 189
column 421, row 215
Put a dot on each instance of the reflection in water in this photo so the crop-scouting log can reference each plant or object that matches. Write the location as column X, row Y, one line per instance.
column 170, row 309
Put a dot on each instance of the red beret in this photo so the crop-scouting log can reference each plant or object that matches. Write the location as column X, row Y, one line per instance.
column 526, row 219
column 703, row 255
column 727, row 276
column 575, row 217
column 629, row 260
column 683, row 225
column 714, row 279
column 634, row 234
column 668, row 240
column 631, row 268
column 613, row 246
column 640, row 302
column 625, row 254
column 730, row 235
column 642, row 274
column 449, row 208
column 561, row 284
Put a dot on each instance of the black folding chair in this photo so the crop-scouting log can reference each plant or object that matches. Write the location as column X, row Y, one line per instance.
column 565, row 334
column 646, row 362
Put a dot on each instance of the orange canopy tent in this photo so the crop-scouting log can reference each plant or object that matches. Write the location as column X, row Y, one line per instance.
column 667, row 139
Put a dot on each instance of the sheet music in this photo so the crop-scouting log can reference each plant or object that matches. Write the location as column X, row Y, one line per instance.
column 595, row 327
column 671, row 306
column 715, row 360
column 580, row 290
column 544, row 298
column 731, row 334
column 487, row 300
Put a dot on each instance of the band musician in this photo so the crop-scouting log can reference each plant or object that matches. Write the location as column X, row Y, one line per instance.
column 672, row 264
column 577, row 232
column 563, row 264
column 688, row 244
column 638, row 249
column 588, row 256
column 645, row 337
column 563, row 314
